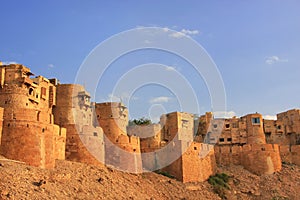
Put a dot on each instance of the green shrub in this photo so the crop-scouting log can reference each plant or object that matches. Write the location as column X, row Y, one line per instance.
column 220, row 184
column 141, row 121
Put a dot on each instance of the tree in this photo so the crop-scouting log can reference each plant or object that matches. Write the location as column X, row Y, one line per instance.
column 141, row 121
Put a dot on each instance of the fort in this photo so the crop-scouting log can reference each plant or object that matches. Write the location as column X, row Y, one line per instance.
column 42, row 121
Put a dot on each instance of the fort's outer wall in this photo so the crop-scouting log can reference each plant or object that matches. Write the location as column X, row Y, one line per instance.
column 257, row 158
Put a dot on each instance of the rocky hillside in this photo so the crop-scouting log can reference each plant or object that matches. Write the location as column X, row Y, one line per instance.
column 70, row 180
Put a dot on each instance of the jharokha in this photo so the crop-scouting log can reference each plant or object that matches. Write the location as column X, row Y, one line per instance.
column 42, row 120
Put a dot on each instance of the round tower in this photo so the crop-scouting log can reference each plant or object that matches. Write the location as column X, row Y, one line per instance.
column 255, row 131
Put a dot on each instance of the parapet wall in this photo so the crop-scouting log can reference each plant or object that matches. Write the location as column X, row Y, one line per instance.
column 124, row 154
column 196, row 163
column 290, row 154
column 257, row 158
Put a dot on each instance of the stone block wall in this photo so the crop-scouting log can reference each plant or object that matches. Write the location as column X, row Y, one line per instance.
column 113, row 118
column 75, row 112
column 179, row 125
column 257, row 158
column 150, row 136
column 31, row 142
column 290, row 154
column 121, row 150
column 84, row 147
column 28, row 133
column 196, row 163
column 1, row 124
column 261, row 158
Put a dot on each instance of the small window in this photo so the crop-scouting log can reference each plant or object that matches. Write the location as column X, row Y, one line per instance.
column 229, row 139
column 221, row 139
column 30, row 91
column 278, row 127
column 235, row 125
column 195, row 148
column 43, row 130
column 256, row 120
column 215, row 125
column 95, row 134
column 227, row 125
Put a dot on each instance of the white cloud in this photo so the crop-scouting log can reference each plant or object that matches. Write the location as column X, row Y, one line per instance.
column 272, row 117
column 224, row 114
column 274, row 59
column 190, row 32
column 162, row 99
column 166, row 29
column 51, row 66
column 170, row 68
column 184, row 32
column 177, row 35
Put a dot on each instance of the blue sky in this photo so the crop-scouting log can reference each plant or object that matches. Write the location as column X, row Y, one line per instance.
column 255, row 45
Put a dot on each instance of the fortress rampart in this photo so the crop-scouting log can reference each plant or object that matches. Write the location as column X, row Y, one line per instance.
column 257, row 158
column 290, row 154
column 42, row 120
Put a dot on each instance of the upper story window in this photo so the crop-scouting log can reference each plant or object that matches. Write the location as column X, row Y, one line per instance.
column 256, row 120
column 30, row 91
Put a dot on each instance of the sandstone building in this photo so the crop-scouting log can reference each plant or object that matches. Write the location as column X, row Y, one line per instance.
column 29, row 133
column 242, row 141
column 75, row 112
column 42, row 120
column 170, row 148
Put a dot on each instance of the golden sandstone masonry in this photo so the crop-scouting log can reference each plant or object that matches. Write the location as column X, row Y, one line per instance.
column 42, row 120
column 29, row 133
